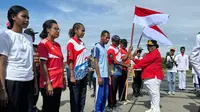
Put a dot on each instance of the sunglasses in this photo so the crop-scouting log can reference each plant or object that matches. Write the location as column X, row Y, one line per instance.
column 83, row 30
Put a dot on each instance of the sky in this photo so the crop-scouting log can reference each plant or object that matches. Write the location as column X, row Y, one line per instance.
column 116, row 16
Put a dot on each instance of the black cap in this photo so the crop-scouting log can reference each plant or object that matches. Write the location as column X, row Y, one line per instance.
column 116, row 38
column 30, row 31
column 123, row 41
column 152, row 43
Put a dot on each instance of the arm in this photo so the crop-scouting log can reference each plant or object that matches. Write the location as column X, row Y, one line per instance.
column 3, row 63
column 195, row 55
column 187, row 63
column 126, row 56
column 70, row 58
column 45, row 73
column 43, row 54
column 147, row 60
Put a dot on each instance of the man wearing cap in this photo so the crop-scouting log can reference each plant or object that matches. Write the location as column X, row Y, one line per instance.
column 137, row 80
column 171, row 71
column 115, row 70
column 152, row 74
column 183, row 65
column 125, row 58
column 34, row 92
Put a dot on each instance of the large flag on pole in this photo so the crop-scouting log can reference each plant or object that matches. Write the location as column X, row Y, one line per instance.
column 155, row 33
column 147, row 17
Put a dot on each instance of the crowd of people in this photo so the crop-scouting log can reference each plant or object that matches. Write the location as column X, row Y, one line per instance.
column 27, row 69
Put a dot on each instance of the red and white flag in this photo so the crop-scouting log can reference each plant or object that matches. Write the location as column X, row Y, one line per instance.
column 154, row 33
column 147, row 17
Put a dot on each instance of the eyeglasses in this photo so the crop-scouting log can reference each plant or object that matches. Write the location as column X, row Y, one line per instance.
column 83, row 30
column 56, row 29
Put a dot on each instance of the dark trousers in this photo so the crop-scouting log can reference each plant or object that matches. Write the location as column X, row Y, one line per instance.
column 94, row 84
column 18, row 93
column 78, row 94
column 51, row 103
column 122, row 82
column 90, row 78
column 33, row 98
column 137, row 82
column 113, row 91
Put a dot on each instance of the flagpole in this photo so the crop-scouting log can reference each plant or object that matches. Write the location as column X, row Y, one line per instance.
column 140, row 39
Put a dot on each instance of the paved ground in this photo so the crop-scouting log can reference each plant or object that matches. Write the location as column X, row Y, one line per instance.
column 182, row 101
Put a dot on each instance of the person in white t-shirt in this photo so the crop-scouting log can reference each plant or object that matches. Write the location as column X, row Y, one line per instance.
column 171, row 71
column 17, row 49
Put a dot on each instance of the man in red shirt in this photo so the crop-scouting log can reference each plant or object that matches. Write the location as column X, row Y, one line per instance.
column 115, row 70
column 152, row 73
column 125, row 58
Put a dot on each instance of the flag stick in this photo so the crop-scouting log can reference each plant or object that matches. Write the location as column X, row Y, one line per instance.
column 139, row 41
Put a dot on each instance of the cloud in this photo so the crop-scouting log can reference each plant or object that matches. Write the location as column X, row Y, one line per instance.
column 61, row 5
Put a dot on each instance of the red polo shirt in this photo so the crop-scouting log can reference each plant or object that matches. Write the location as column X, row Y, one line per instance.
column 124, row 52
column 51, row 52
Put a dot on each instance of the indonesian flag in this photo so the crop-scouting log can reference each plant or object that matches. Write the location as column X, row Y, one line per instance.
column 154, row 33
column 147, row 17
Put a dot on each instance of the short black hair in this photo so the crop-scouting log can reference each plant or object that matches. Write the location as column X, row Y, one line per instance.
column 182, row 48
column 104, row 32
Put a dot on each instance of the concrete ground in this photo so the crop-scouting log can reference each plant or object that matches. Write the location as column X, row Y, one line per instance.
column 182, row 101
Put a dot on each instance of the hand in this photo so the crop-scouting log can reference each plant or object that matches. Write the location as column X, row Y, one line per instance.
column 49, row 89
column 130, row 49
column 128, row 65
column 36, row 58
column 3, row 98
column 100, row 81
column 65, row 85
column 110, row 80
column 136, row 51
column 36, row 89
column 72, row 79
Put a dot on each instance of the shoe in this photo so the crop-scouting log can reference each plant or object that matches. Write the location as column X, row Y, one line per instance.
column 93, row 95
column 169, row 93
column 150, row 110
column 173, row 93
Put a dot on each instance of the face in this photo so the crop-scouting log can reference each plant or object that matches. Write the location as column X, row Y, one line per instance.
column 182, row 50
column 54, row 31
column 80, row 32
column 21, row 19
column 105, row 38
column 172, row 52
column 150, row 48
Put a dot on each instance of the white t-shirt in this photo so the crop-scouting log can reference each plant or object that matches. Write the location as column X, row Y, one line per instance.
column 18, row 47
column 173, row 69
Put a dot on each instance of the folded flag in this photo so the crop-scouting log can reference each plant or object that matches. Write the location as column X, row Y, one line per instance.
column 155, row 33
column 147, row 17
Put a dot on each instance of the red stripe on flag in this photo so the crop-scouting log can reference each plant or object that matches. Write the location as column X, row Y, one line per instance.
column 139, row 11
column 158, row 30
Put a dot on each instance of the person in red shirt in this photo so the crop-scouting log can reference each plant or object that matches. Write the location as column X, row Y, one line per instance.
column 77, row 68
column 52, row 79
column 125, row 58
column 152, row 73
column 115, row 70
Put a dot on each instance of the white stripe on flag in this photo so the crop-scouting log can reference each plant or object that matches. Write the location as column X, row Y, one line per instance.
column 153, row 34
column 151, row 20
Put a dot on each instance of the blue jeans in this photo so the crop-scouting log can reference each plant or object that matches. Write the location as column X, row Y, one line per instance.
column 171, row 78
